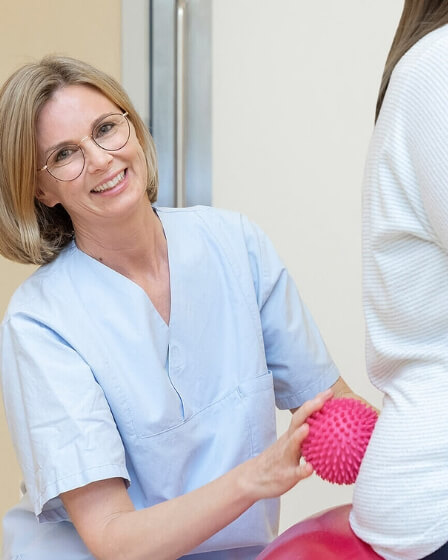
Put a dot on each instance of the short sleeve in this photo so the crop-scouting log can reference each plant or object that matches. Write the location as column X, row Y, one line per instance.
column 295, row 351
column 61, row 424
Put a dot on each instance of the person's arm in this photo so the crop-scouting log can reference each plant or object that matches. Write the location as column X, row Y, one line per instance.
column 295, row 350
column 111, row 528
column 340, row 390
column 427, row 135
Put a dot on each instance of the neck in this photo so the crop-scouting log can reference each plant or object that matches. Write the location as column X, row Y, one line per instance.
column 130, row 247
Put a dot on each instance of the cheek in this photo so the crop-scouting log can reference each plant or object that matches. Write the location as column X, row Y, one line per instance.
column 140, row 158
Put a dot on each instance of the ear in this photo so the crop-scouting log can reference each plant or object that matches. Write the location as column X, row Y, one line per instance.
column 46, row 197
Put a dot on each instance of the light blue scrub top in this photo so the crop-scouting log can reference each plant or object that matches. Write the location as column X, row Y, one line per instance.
column 96, row 385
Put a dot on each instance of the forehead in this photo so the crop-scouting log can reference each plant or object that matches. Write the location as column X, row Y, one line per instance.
column 69, row 114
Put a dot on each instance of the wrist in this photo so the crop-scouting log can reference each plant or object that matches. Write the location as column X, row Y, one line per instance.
column 246, row 482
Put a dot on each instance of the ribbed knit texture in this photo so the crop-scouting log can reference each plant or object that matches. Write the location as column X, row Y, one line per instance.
column 401, row 495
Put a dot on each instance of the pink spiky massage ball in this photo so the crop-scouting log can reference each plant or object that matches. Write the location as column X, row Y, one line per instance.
column 338, row 438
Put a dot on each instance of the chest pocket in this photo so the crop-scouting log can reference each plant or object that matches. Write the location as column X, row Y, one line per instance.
column 258, row 397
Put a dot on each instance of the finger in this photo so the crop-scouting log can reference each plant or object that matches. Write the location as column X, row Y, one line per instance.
column 308, row 408
column 304, row 470
column 299, row 436
column 295, row 442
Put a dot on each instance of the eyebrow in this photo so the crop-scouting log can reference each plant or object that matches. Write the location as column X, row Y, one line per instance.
column 55, row 147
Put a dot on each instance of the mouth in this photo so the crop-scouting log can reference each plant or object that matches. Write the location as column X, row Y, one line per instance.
column 110, row 184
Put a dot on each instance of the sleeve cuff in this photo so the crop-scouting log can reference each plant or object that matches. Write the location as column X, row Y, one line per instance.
column 49, row 508
column 324, row 380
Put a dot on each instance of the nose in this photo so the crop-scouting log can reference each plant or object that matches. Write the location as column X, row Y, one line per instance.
column 96, row 158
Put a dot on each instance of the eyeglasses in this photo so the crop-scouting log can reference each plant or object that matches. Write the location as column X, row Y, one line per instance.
column 66, row 163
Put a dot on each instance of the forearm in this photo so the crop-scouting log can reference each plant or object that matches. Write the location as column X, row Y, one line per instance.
column 175, row 527
column 342, row 391
column 112, row 529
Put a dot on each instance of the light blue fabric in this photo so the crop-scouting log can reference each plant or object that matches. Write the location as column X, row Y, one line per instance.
column 96, row 385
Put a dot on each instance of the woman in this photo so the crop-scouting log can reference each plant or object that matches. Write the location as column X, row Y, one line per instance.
column 141, row 362
column 401, row 495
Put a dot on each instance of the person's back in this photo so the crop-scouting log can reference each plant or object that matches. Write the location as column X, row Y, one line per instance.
column 401, row 496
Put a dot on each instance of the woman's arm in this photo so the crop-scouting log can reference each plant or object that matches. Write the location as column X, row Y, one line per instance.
column 340, row 390
column 111, row 528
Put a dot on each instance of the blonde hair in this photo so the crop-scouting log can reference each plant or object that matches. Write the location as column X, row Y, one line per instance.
column 31, row 232
column 419, row 17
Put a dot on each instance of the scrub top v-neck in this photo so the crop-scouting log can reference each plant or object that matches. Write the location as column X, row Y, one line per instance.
column 97, row 385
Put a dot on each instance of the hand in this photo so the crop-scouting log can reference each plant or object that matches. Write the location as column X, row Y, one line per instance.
column 277, row 469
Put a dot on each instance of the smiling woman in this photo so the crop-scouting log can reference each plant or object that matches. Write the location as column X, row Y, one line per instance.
column 110, row 153
column 141, row 363
column 25, row 98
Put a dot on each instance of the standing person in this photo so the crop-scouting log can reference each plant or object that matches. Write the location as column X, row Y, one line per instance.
column 401, row 495
column 142, row 361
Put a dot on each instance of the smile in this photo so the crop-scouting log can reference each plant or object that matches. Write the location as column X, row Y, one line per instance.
column 110, row 184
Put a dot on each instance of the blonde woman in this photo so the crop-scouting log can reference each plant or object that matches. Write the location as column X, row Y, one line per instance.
column 401, row 496
column 142, row 362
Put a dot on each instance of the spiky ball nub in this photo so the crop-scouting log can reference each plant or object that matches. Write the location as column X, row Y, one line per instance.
column 338, row 438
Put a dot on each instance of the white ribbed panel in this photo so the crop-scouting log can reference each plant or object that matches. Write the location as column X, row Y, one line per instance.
column 401, row 496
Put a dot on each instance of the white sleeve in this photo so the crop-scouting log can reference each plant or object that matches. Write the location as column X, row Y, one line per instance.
column 59, row 419
column 427, row 134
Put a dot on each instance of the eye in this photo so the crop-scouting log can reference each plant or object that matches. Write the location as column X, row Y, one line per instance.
column 63, row 155
column 105, row 128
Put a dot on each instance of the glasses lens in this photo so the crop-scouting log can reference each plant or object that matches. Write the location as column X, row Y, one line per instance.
column 112, row 133
column 66, row 163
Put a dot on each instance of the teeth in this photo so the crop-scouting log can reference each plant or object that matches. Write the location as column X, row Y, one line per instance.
column 110, row 184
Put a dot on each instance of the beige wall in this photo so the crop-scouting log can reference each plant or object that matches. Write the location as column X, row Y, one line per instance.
column 294, row 91
column 86, row 29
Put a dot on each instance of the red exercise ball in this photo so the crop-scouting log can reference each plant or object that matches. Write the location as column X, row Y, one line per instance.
column 326, row 536
column 338, row 438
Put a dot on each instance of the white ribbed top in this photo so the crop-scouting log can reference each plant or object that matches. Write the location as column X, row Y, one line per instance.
column 401, row 496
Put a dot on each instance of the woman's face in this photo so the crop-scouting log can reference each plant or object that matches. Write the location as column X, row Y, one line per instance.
column 112, row 183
